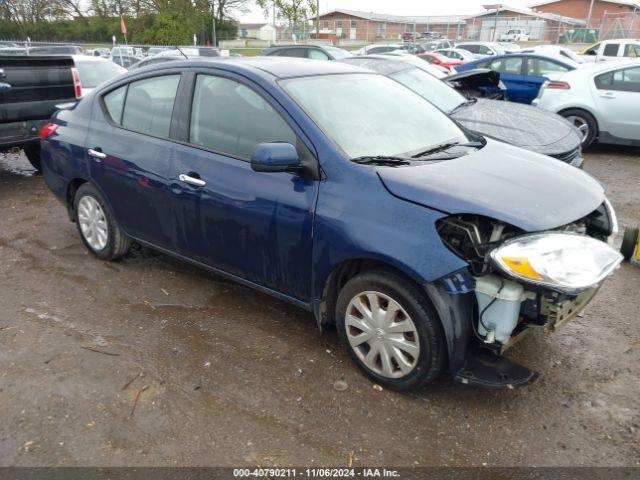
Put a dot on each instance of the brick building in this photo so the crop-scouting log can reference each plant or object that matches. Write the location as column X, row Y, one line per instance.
column 580, row 8
column 541, row 26
column 369, row 26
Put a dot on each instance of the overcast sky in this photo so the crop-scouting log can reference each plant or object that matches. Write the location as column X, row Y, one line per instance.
column 399, row 7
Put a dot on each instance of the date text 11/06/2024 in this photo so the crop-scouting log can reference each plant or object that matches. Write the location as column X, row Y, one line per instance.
column 315, row 473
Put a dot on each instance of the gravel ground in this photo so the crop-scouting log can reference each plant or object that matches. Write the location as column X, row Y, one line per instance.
column 148, row 361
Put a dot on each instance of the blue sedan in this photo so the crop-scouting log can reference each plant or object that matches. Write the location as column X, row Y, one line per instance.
column 522, row 74
column 340, row 190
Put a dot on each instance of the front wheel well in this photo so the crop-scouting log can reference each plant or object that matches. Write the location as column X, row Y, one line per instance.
column 340, row 275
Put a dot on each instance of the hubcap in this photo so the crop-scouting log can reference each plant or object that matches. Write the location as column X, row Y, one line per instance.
column 93, row 223
column 581, row 124
column 382, row 334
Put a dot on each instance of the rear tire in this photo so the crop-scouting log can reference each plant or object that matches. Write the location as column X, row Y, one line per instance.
column 405, row 347
column 32, row 153
column 585, row 122
column 97, row 226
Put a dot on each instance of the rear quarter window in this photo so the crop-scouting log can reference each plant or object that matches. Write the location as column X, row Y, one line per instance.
column 114, row 102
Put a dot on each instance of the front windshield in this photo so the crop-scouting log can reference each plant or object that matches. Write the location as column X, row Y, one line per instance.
column 436, row 91
column 369, row 114
column 93, row 74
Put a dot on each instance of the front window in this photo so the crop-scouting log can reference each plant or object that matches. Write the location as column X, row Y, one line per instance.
column 611, row 50
column 512, row 65
column 384, row 117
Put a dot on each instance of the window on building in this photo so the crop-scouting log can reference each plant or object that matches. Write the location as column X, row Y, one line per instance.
column 338, row 23
column 230, row 118
column 382, row 29
column 354, row 24
column 149, row 105
column 325, row 24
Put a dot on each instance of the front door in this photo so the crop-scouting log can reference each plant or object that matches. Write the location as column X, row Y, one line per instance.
column 130, row 155
column 254, row 225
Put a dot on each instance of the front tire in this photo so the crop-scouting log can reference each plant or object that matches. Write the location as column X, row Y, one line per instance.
column 585, row 123
column 97, row 226
column 391, row 330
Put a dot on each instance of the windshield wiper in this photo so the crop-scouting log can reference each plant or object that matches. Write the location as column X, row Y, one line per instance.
column 470, row 101
column 445, row 146
column 381, row 160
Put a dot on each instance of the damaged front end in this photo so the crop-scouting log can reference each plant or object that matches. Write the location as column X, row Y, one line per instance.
column 517, row 280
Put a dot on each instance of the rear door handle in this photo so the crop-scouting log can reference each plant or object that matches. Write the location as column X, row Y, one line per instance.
column 196, row 182
column 96, row 154
column 607, row 95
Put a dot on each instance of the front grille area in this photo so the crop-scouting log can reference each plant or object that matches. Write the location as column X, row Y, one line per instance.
column 574, row 157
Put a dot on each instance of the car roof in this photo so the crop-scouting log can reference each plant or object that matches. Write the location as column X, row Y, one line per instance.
column 279, row 67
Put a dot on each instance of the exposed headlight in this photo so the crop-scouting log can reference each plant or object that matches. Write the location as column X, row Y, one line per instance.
column 563, row 261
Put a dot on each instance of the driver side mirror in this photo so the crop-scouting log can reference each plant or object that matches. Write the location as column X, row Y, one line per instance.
column 276, row 157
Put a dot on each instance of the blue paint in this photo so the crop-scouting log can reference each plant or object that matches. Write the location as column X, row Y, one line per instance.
column 522, row 86
column 286, row 232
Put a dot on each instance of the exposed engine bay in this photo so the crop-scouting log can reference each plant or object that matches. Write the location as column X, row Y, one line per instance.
column 508, row 306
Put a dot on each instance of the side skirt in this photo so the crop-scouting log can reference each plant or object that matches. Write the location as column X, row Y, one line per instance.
column 230, row 276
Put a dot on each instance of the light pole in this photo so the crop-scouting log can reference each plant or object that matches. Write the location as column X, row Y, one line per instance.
column 213, row 23
column 589, row 14
column 497, row 7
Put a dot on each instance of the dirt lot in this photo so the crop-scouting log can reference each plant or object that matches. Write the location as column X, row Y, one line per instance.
column 235, row 377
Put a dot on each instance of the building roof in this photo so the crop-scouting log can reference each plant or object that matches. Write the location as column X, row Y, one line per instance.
column 252, row 26
column 530, row 12
column 383, row 17
column 629, row 3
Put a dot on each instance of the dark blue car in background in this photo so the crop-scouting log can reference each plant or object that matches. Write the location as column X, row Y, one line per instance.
column 522, row 74
column 430, row 249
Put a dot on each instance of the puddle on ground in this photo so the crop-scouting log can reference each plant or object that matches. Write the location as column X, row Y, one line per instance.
column 16, row 163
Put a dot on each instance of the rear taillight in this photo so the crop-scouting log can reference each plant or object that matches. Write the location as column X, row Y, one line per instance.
column 77, row 86
column 47, row 130
column 558, row 85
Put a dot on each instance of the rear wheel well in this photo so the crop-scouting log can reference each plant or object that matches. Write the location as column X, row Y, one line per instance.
column 579, row 109
column 341, row 275
column 72, row 188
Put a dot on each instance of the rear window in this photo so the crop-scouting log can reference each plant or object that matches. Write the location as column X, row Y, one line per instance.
column 93, row 73
column 149, row 105
column 114, row 101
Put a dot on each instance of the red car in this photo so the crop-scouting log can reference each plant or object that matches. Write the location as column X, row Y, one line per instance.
column 438, row 59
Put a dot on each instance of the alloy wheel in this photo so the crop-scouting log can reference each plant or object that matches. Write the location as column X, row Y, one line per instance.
column 581, row 124
column 93, row 223
column 382, row 334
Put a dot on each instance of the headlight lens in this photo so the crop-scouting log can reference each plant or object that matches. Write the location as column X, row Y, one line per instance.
column 563, row 261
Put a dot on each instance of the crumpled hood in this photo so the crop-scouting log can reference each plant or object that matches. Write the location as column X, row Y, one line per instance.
column 521, row 125
column 525, row 189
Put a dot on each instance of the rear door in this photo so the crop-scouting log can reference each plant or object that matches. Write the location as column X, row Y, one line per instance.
column 618, row 99
column 510, row 69
column 536, row 71
column 254, row 225
column 129, row 153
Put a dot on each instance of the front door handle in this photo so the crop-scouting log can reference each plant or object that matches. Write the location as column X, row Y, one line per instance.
column 196, row 182
column 96, row 154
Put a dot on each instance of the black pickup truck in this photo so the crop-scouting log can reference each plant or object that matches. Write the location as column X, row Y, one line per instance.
column 30, row 89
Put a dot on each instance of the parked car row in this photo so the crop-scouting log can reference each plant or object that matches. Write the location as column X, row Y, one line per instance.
column 363, row 190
